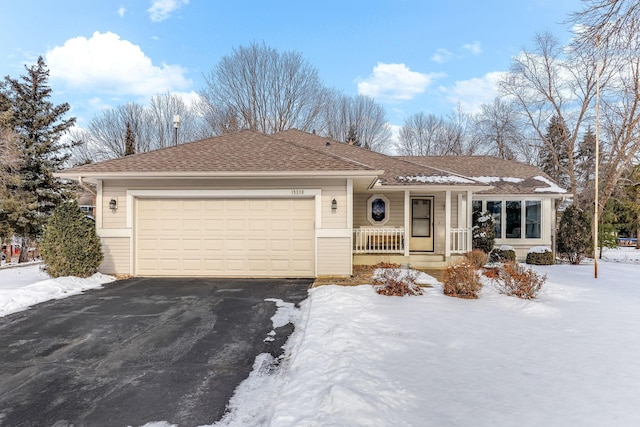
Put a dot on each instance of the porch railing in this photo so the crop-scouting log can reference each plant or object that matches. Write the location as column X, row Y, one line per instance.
column 388, row 240
column 459, row 240
column 385, row 240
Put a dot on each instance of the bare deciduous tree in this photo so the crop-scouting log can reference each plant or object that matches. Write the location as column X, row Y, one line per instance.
column 429, row 135
column 356, row 118
column 499, row 129
column 420, row 135
column 550, row 80
column 259, row 88
column 109, row 129
column 162, row 109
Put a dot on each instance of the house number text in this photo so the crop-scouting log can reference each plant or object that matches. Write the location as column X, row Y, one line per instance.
column 297, row 192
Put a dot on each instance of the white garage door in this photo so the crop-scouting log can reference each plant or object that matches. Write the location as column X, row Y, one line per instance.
column 225, row 237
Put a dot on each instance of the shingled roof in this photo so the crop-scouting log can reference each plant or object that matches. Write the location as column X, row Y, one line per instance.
column 397, row 171
column 506, row 176
column 240, row 152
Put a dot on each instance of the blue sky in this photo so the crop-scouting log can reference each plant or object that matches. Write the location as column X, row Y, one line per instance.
column 410, row 55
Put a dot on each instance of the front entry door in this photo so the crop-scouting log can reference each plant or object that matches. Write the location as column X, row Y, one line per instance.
column 421, row 224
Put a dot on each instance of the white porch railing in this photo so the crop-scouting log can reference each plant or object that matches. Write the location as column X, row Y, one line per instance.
column 384, row 240
column 459, row 240
column 388, row 240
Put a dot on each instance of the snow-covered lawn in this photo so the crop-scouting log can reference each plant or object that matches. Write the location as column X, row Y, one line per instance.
column 569, row 358
column 22, row 287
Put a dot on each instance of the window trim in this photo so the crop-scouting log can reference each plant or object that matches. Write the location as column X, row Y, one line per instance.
column 387, row 209
column 523, row 217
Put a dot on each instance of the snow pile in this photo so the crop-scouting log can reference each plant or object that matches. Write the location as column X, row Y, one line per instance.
column 358, row 358
column 539, row 250
column 627, row 255
column 23, row 287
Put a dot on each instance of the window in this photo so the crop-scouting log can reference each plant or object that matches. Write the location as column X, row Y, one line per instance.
column 421, row 218
column 513, row 213
column 476, row 206
column 495, row 209
column 378, row 209
column 534, row 218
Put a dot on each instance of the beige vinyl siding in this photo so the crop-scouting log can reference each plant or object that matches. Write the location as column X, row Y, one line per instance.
column 116, row 255
column 396, row 210
column 114, row 218
column 334, row 256
column 337, row 218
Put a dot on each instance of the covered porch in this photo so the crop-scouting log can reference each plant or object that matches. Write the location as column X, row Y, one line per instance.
column 423, row 229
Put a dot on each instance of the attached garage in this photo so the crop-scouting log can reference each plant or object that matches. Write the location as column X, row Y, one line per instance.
column 224, row 237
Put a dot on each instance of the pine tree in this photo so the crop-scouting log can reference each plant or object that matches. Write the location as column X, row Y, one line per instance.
column 352, row 136
column 585, row 165
column 39, row 126
column 574, row 234
column 554, row 159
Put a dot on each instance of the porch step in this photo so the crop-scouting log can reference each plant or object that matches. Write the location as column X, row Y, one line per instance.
column 419, row 261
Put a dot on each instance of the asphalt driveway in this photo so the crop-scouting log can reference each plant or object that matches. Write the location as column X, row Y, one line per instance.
column 138, row 350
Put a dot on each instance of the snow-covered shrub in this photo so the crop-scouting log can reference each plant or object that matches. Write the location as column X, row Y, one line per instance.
column 477, row 258
column 70, row 245
column 540, row 255
column 483, row 237
column 519, row 281
column 397, row 282
column 461, row 280
column 574, row 234
column 504, row 253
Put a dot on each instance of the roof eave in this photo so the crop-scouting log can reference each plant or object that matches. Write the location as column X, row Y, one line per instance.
column 94, row 176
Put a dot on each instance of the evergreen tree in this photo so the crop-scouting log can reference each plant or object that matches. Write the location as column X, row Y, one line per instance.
column 574, row 234
column 554, row 159
column 70, row 245
column 483, row 233
column 352, row 136
column 129, row 141
column 38, row 125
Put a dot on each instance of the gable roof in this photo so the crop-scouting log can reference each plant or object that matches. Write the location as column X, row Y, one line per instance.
column 245, row 152
column 506, row 176
column 396, row 169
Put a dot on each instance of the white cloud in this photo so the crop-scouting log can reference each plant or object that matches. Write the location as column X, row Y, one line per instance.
column 441, row 56
column 475, row 48
column 162, row 9
column 121, row 11
column 471, row 94
column 394, row 82
column 106, row 64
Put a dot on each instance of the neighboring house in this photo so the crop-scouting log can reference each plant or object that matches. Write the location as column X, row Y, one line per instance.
column 296, row 204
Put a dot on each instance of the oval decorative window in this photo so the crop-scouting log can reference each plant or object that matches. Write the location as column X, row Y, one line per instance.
column 378, row 209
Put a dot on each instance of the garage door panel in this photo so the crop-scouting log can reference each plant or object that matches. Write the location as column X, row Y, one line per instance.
column 225, row 237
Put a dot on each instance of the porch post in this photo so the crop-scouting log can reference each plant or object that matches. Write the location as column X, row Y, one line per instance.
column 447, row 225
column 407, row 220
column 469, row 219
column 350, row 218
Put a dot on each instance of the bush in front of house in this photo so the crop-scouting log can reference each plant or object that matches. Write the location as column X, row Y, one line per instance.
column 519, row 281
column 574, row 234
column 461, row 280
column 477, row 258
column 70, row 245
column 540, row 255
column 504, row 253
column 483, row 236
column 397, row 282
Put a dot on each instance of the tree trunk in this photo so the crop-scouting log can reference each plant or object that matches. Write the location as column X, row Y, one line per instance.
column 24, row 249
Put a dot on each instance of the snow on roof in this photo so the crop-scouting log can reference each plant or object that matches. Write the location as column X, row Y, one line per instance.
column 492, row 179
column 436, row 179
column 551, row 186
